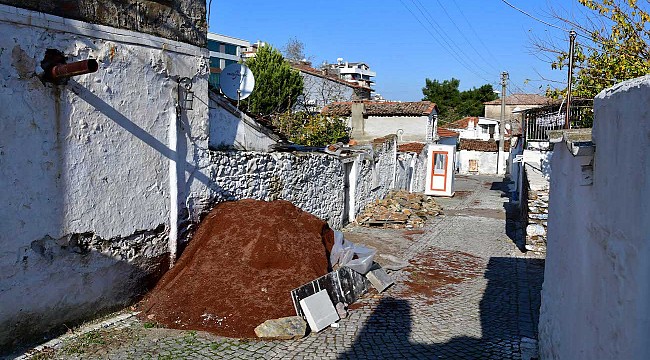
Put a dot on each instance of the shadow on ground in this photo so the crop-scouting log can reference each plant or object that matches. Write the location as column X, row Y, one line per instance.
column 509, row 311
column 514, row 223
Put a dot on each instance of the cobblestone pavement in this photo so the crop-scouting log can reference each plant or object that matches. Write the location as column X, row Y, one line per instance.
column 485, row 304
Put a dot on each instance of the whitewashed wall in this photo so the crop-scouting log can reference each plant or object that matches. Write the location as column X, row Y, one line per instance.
column 487, row 161
column 415, row 127
column 597, row 278
column 92, row 172
column 232, row 129
column 311, row 181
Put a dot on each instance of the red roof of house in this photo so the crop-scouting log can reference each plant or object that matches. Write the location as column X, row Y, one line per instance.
column 482, row 145
column 461, row 124
column 383, row 108
column 415, row 147
column 522, row 99
column 447, row 133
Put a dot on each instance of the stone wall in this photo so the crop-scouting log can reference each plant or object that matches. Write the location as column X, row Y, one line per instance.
column 597, row 274
column 94, row 171
column 179, row 20
column 311, row 181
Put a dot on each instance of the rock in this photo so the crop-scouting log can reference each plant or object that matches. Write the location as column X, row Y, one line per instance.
column 341, row 310
column 538, row 216
column 535, row 230
column 286, row 328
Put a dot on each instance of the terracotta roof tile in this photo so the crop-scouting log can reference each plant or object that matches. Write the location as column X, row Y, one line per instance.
column 482, row 145
column 415, row 147
column 460, row 124
column 522, row 99
column 447, row 133
column 383, row 108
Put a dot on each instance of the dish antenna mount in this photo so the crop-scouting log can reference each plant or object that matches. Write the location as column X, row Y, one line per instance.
column 237, row 82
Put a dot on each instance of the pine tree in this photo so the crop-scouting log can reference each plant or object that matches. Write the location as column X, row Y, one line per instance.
column 277, row 85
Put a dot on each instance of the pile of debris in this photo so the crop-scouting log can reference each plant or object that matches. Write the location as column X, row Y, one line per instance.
column 239, row 269
column 400, row 209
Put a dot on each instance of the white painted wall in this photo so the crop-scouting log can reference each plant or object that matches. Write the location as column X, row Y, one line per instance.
column 596, row 283
column 415, row 127
column 233, row 129
column 487, row 161
column 90, row 169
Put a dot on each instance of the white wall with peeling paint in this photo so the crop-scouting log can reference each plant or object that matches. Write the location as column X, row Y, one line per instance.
column 87, row 168
column 597, row 275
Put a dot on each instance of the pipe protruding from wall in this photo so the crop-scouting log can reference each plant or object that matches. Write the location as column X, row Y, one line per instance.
column 82, row 67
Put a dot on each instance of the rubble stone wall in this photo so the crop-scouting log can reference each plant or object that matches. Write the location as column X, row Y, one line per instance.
column 180, row 20
column 311, row 181
column 376, row 177
column 88, row 168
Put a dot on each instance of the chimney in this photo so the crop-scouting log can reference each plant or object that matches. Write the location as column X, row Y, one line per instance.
column 357, row 122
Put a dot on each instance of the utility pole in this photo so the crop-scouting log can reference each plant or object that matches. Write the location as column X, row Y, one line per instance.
column 567, row 117
column 502, row 126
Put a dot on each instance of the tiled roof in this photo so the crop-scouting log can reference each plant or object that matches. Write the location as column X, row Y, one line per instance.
column 315, row 72
column 447, row 133
column 460, row 124
column 482, row 145
column 383, row 108
column 522, row 99
column 415, row 147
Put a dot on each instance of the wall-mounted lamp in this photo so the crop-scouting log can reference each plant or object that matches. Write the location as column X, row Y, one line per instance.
column 185, row 93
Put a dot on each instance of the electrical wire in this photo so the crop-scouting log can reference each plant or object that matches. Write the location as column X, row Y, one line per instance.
column 441, row 40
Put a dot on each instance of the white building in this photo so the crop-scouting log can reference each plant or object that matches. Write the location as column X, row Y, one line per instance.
column 476, row 128
column 224, row 50
column 357, row 72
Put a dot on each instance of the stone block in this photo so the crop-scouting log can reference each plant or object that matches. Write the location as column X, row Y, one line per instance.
column 319, row 311
column 379, row 279
column 286, row 328
column 535, row 230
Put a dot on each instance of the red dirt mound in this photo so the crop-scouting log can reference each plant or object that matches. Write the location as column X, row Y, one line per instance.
column 240, row 267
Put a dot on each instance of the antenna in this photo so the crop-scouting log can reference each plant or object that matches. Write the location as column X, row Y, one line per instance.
column 237, row 82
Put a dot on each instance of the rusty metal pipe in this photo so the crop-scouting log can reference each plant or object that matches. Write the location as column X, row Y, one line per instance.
column 74, row 69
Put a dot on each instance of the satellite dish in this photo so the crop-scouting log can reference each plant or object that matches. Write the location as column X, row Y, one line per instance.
column 237, row 81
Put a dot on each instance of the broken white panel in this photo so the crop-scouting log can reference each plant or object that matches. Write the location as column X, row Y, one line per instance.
column 319, row 311
column 379, row 279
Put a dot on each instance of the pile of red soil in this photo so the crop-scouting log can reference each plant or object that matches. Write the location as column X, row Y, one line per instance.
column 238, row 270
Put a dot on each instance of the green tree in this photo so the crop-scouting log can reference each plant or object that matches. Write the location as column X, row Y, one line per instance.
column 312, row 130
column 454, row 104
column 277, row 85
column 613, row 45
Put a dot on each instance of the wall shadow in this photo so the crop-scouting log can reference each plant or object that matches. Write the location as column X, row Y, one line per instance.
column 508, row 311
column 514, row 223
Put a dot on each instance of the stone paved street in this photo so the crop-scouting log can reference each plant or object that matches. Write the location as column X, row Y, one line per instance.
column 469, row 294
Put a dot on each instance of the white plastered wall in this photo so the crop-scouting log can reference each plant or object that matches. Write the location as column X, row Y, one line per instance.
column 93, row 170
column 597, row 278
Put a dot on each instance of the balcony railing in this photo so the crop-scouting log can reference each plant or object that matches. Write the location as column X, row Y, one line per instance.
column 538, row 121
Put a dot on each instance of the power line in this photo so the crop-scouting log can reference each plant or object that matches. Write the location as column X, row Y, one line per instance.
column 469, row 24
column 540, row 20
column 441, row 33
column 463, row 35
column 444, row 45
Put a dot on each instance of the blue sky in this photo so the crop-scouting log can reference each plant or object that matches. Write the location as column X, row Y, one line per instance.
column 406, row 41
